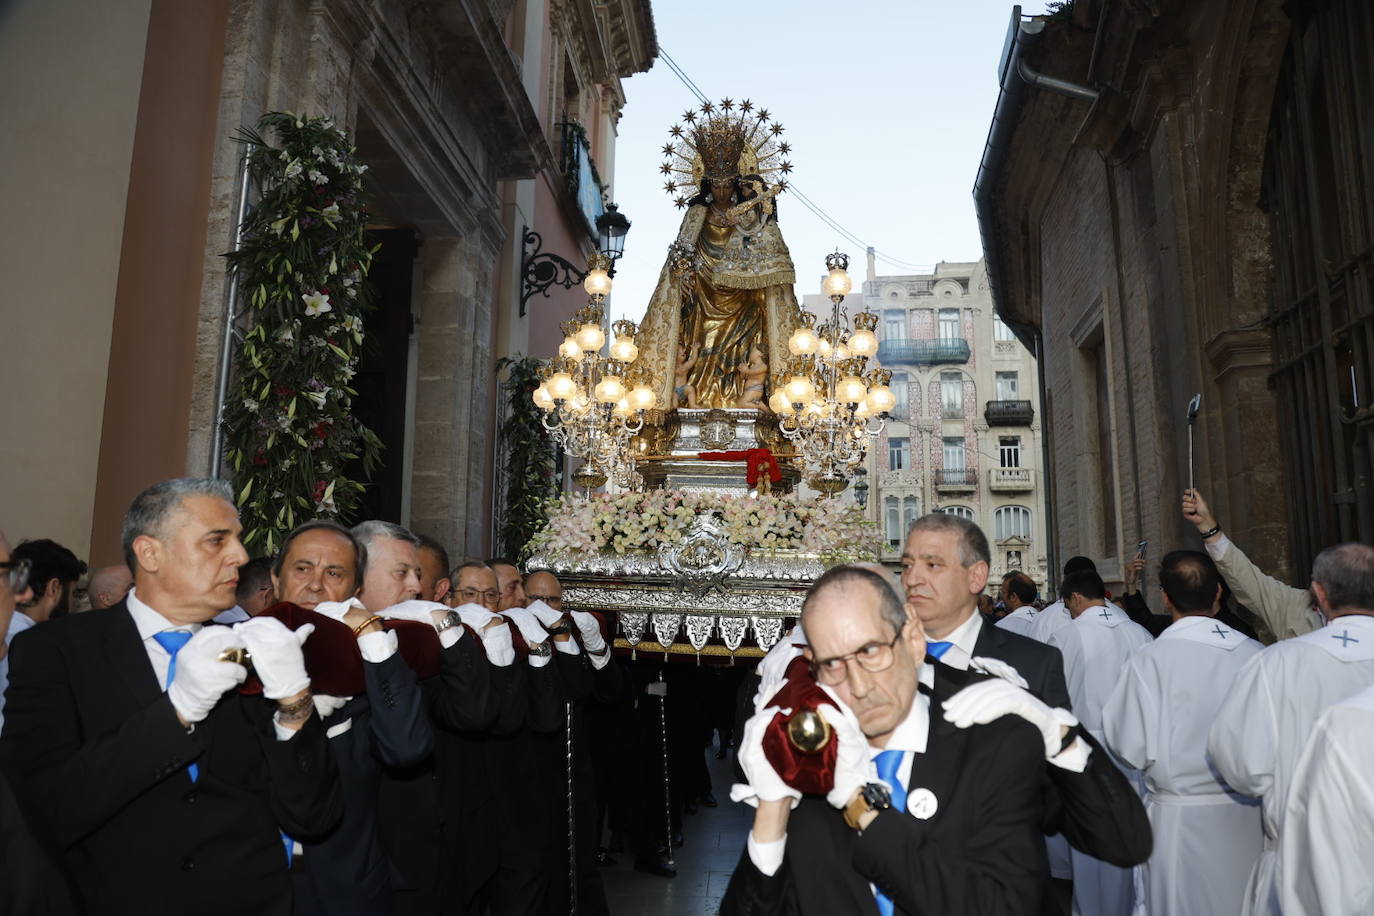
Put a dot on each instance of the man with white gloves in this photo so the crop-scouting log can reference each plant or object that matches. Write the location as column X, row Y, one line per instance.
column 899, row 761
column 162, row 786
column 597, row 682
column 321, row 567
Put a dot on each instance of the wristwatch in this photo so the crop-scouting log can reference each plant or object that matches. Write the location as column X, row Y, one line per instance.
column 560, row 627
column 872, row 797
column 541, row 649
column 450, row 620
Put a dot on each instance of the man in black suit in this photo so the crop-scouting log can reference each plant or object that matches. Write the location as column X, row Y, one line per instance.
column 953, row 828
column 944, row 568
column 169, row 802
column 321, row 567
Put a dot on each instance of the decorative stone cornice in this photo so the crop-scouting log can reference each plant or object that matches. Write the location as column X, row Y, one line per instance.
column 1247, row 349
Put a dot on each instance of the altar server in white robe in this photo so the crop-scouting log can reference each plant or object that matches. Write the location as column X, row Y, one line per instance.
column 1097, row 643
column 1265, row 722
column 1328, row 832
column 1207, row 837
column 1056, row 615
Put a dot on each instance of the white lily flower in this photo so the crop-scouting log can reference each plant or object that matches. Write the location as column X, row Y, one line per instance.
column 316, row 304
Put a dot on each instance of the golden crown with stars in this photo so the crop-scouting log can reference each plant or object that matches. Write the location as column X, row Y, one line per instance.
column 721, row 141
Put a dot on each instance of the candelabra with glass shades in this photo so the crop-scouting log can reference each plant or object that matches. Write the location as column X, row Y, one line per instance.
column 833, row 404
column 594, row 404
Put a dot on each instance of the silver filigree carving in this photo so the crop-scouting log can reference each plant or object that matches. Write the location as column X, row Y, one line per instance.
column 632, row 624
column 732, row 630
column 767, row 631
column 703, row 558
column 699, row 630
column 666, row 627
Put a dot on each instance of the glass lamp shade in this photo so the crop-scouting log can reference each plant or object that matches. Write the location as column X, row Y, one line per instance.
column 841, row 352
column 597, row 283
column 779, row 402
column 800, row 390
column 803, row 342
column 643, row 398
column 562, row 386
column 569, row 348
column 881, row 399
column 580, row 403
column 610, row 390
column 622, row 409
column 851, row 389
column 862, row 411
column 863, row 343
column 824, row 349
column 816, row 410
column 625, row 350
column 542, row 399
column 837, row 282
column 590, row 338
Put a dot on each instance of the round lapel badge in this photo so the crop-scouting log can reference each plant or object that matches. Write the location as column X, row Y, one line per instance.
column 921, row 803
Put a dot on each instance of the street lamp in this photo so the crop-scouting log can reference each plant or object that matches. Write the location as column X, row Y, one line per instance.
column 540, row 270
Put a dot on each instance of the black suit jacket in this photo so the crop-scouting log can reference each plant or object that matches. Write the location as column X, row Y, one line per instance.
column 1097, row 810
column 981, row 852
column 347, row 873
column 1042, row 666
column 96, row 753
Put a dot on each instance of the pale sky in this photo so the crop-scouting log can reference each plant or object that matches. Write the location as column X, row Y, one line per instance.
column 886, row 104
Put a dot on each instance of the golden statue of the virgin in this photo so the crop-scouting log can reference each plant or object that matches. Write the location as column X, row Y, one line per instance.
column 716, row 329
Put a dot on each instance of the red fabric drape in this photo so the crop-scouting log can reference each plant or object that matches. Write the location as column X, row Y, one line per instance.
column 758, row 459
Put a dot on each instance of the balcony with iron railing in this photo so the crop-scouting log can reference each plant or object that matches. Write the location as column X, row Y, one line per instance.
column 579, row 171
column 923, row 352
column 1010, row 480
column 1009, row 413
column 954, row 480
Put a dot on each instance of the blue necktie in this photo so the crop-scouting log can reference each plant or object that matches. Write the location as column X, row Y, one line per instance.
column 888, row 763
column 938, row 648
column 172, row 641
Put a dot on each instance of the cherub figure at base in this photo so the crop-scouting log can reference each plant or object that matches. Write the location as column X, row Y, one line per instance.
column 752, row 375
column 684, row 392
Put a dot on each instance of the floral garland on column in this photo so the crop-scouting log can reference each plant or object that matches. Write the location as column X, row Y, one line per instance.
column 529, row 458
column 300, row 268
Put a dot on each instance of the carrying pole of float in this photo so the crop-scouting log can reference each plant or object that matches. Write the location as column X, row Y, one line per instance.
column 663, row 741
column 572, row 822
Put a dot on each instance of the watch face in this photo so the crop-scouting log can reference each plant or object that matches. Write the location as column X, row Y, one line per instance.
column 877, row 795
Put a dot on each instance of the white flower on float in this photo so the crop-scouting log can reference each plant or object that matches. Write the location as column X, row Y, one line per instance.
column 316, row 303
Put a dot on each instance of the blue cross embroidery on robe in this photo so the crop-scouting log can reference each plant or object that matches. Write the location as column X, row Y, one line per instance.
column 1106, row 614
column 1219, row 631
column 1345, row 638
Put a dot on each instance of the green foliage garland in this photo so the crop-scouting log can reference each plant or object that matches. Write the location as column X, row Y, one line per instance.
column 530, row 481
column 300, row 270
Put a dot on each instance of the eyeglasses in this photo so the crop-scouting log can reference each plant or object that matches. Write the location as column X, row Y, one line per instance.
column 473, row 596
column 17, row 572
column 874, row 657
column 550, row 600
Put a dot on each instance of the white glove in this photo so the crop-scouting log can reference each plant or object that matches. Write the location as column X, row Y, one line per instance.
column 476, row 616
column 201, row 678
column 527, row 624
column 592, row 639
column 764, row 783
column 998, row 668
column 853, row 761
column 545, row 614
column 430, row 612
column 326, row 705
column 337, row 609
column 277, row 657
column 988, row 701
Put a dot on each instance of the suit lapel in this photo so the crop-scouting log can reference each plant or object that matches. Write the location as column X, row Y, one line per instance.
column 937, row 770
column 126, row 653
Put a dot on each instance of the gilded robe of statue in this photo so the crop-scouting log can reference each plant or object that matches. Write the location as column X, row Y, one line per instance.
column 736, row 294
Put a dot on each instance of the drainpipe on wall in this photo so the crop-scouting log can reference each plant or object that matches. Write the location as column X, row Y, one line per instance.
column 1014, row 74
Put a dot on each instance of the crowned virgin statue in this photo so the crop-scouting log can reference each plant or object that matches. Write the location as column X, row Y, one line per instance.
column 716, row 329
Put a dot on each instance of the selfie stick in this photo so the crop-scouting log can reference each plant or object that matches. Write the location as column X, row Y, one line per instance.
column 1193, row 407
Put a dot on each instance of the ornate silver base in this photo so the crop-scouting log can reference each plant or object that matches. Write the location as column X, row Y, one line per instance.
column 686, row 432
